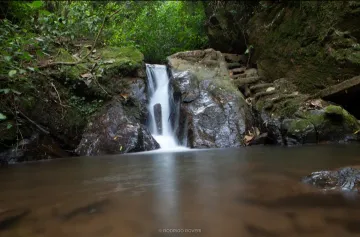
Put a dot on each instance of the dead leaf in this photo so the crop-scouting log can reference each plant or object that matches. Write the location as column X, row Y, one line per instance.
column 125, row 96
column 256, row 131
column 87, row 75
column 316, row 103
column 248, row 139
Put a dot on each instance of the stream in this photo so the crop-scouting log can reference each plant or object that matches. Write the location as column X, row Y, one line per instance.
column 254, row 191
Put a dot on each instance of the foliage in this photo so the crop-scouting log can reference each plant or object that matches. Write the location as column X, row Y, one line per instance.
column 160, row 28
column 36, row 33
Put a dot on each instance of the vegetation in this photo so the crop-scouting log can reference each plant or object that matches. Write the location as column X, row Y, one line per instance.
column 57, row 57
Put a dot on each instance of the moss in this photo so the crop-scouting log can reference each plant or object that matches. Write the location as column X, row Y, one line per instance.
column 332, row 123
column 333, row 109
column 300, row 126
column 348, row 120
column 122, row 61
column 70, row 72
column 64, row 56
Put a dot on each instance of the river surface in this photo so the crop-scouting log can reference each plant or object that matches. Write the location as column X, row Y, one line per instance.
column 223, row 192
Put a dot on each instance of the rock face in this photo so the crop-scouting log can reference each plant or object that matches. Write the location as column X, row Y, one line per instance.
column 292, row 118
column 345, row 179
column 313, row 45
column 115, row 131
column 213, row 110
column 63, row 105
column 157, row 115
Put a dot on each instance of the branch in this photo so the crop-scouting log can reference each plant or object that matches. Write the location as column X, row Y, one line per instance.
column 31, row 121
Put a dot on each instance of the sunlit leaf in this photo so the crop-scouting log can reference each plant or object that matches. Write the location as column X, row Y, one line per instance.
column 5, row 91
column 36, row 4
column 16, row 92
column 12, row 73
column 2, row 116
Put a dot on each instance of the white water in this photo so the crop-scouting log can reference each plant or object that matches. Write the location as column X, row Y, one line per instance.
column 159, row 94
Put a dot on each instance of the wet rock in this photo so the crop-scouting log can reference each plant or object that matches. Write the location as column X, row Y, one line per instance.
column 259, row 140
column 36, row 147
column 115, row 130
column 299, row 131
column 158, row 115
column 215, row 110
column 344, row 179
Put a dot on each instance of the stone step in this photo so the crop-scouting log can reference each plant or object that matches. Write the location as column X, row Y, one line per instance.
column 235, row 58
column 237, row 76
column 237, row 70
column 248, row 80
column 263, row 93
column 233, row 65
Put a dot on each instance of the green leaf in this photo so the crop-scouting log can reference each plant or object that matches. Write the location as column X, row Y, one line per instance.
column 31, row 69
column 2, row 117
column 44, row 12
column 5, row 91
column 12, row 73
column 26, row 56
column 7, row 58
column 16, row 92
column 36, row 4
column 9, row 125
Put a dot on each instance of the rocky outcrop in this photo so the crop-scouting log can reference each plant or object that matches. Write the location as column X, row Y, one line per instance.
column 344, row 179
column 114, row 131
column 60, row 104
column 312, row 45
column 290, row 117
column 225, row 24
column 213, row 110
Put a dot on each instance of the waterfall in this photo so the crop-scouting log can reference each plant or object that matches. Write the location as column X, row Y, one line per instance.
column 159, row 107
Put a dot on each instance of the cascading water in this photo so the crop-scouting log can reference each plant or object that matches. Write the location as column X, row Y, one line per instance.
column 159, row 107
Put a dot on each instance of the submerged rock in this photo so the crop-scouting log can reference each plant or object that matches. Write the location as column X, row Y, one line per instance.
column 215, row 110
column 114, row 130
column 344, row 179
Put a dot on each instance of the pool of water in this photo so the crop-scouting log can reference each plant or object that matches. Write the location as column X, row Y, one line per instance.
column 253, row 191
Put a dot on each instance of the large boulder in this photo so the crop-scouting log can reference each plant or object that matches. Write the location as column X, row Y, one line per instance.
column 212, row 109
column 114, row 131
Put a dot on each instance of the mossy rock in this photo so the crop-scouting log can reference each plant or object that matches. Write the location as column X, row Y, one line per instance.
column 123, row 61
column 205, row 65
column 333, row 123
column 70, row 72
column 299, row 131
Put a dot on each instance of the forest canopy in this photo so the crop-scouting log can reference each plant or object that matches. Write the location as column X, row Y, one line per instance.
column 156, row 28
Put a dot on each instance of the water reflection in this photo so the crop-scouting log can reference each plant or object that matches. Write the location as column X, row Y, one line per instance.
column 166, row 193
column 250, row 192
